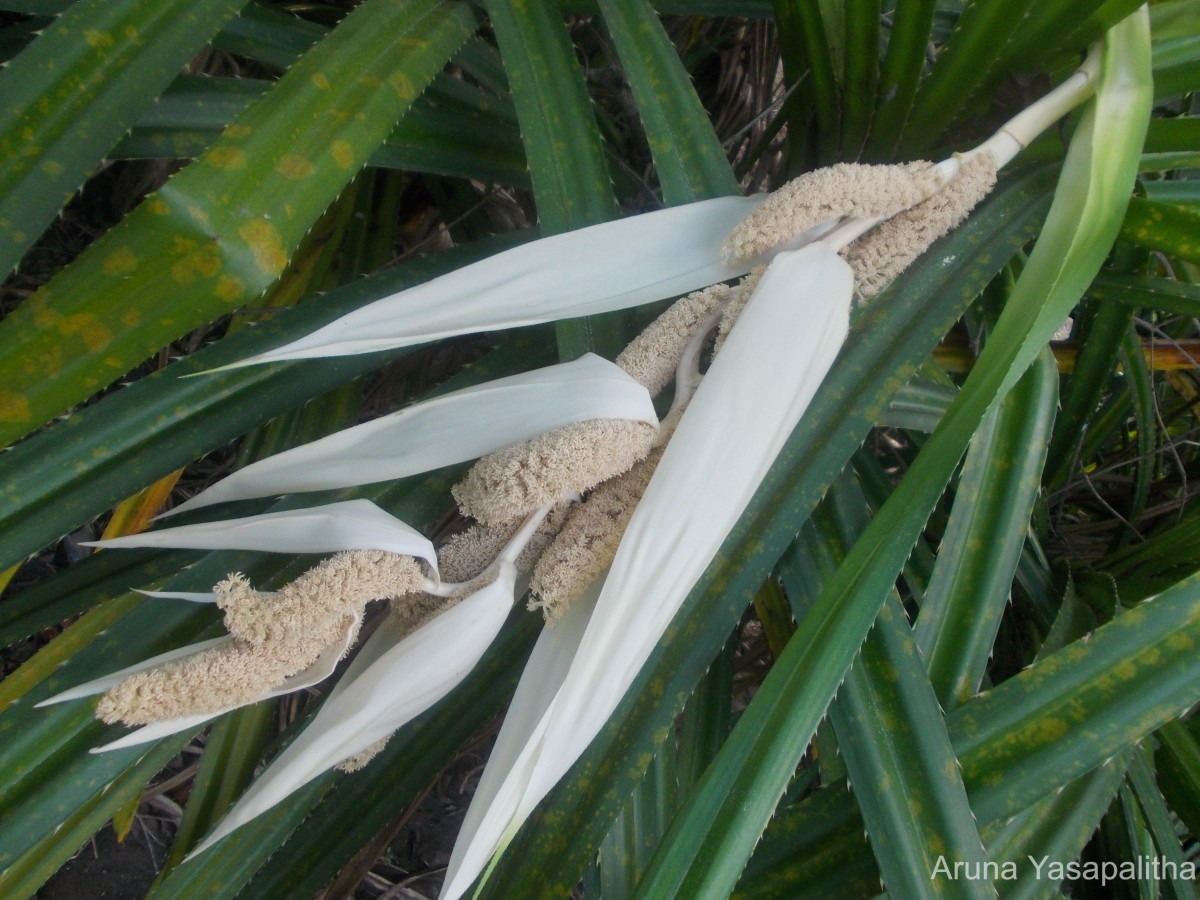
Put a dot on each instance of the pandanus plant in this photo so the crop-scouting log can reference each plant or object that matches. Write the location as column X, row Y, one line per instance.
column 661, row 496
column 608, row 511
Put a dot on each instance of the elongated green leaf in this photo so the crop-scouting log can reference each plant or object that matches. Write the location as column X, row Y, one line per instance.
column 1168, row 227
column 690, row 161
column 164, row 421
column 76, row 589
column 862, row 28
column 1175, row 66
column 704, row 723
column 231, row 753
column 893, row 338
column 223, row 229
column 977, row 559
column 268, row 35
column 68, row 98
column 715, row 832
column 1055, row 29
column 1177, row 762
column 1054, row 722
column 566, row 160
column 23, row 876
column 451, row 130
column 1107, row 692
column 893, row 735
column 562, row 144
column 963, row 64
column 1172, row 552
column 804, row 47
column 1053, row 830
column 902, row 67
column 1158, row 821
column 1099, row 341
column 898, row 755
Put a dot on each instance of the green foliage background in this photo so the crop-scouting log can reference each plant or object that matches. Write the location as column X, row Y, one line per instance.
column 1010, row 511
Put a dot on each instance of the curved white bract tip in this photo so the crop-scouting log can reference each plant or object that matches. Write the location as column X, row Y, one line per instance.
column 446, row 430
column 490, row 815
column 348, row 525
column 100, row 685
column 614, row 265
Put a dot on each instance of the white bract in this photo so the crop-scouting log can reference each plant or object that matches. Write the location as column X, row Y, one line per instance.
column 443, row 431
column 744, row 409
column 614, row 265
column 762, row 379
column 349, row 525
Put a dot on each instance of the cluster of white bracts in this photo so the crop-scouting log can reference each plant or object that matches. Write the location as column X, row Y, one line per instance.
column 557, row 483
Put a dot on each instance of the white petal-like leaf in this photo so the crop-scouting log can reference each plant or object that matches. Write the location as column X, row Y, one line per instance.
column 605, row 267
column 188, row 596
column 349, row 525
column 400, row 685
column 314, row 674
column 486, row 823
column 100, row 685
column 746, row 406
column 440, row 432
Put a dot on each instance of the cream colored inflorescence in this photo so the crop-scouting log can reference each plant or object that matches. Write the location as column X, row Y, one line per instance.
column 596, row 471
column 846, row 190
column 274, row 636
column 883, row 253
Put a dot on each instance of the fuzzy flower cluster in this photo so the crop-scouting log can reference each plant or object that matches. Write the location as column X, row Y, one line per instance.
column 592, row 472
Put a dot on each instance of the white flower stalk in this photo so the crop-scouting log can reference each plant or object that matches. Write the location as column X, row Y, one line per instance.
column 451, row 429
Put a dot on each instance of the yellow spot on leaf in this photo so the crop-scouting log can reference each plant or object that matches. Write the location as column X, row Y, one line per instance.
column 158, row 206
column 238, row 131
column 52, row 167
column 97, row 39
column 402, row 85
column 264, row 242
column 295, row 167
column 120, row 262
column 94, row 333
column 1180, row 640
column 207, row 264
column 320, row 81
column 229, row 288
column 130, row 317
column 226, row 157
column 13, row 406
column 181, row 245
column 343, row 153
